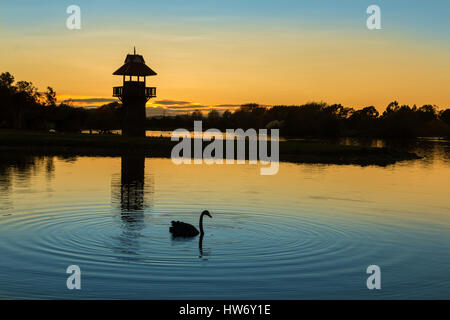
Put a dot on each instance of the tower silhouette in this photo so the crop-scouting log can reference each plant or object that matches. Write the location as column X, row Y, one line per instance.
column 134, row 94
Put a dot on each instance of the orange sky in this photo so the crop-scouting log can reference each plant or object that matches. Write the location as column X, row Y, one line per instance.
column 205, row 68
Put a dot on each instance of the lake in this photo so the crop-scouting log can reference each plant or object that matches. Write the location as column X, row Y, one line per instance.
column 308, row 232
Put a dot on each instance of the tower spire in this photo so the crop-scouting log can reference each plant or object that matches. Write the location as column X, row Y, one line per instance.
column 134, row 49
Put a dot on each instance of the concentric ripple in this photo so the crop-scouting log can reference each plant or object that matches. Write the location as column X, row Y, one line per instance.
column 258, row 247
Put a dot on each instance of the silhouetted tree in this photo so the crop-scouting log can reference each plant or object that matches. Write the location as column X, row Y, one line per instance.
column 445, row 116
column 22, row 107
column 50, row 97
column 197, row 115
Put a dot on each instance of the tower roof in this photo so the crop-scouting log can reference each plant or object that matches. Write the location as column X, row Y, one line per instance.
column 134, row 66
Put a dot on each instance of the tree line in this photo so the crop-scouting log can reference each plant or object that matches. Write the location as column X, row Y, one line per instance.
column 23, row 107
column 321, row 120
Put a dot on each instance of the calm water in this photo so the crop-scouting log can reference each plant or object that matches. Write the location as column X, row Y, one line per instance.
column 308, row 232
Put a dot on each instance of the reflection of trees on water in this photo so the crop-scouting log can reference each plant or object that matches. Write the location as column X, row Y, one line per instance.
column 19, row 169
column 132, row 193
column 431, row 149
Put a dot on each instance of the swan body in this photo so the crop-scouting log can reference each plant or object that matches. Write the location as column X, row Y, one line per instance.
column 181, row 229
column 186, row 230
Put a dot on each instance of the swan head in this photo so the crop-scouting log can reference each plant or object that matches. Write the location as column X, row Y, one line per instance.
column 206, row 213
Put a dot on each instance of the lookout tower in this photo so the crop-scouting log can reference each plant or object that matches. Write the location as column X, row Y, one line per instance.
column 134, row 94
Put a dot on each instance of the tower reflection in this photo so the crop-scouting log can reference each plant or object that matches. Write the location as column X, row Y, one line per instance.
column 132, row 183
column 131, row 193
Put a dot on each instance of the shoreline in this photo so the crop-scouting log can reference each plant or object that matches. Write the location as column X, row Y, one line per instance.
column 77, row 144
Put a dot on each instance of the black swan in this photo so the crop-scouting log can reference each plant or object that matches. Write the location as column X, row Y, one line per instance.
column 181, row 229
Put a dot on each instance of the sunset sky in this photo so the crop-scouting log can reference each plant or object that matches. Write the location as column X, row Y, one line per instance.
column 221, row 54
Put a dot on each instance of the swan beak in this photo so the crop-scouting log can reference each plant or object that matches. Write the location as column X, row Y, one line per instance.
column 206, row 212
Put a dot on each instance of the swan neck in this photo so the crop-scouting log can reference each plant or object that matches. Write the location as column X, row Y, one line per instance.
column 201, row 223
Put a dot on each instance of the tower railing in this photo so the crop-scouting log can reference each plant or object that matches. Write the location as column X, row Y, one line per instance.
column 134, row 91
column 150, row 92
column 117, row 91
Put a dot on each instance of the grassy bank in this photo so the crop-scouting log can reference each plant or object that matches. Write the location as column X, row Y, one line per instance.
column 35, row 142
